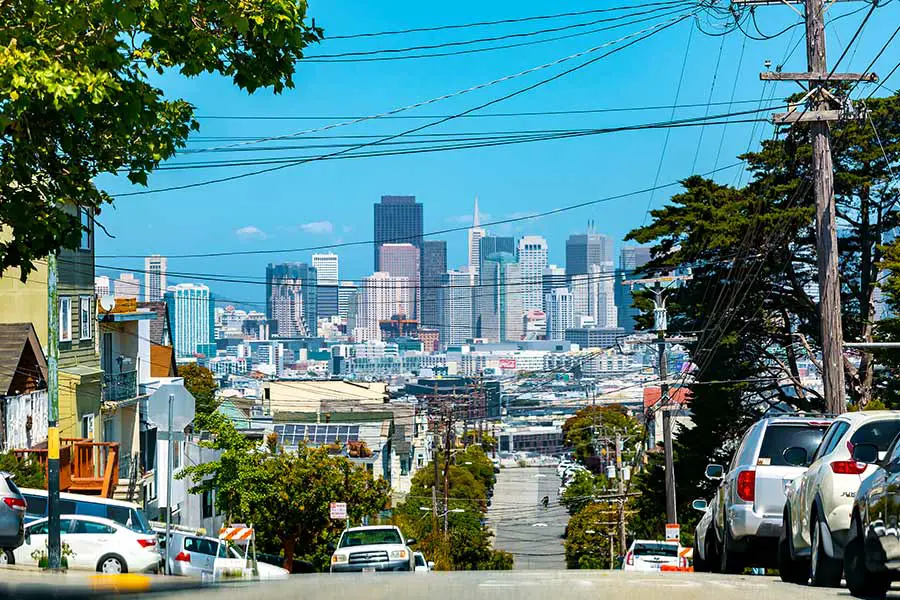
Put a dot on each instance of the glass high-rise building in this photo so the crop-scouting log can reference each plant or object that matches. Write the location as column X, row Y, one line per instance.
column 398, row 220
column 292, row 300
column 434, row 265
column 631, row 259
column 498, row 303
column 455, row 298
column 586, row 249
column 492, row 244
column 532, row 254
column 191, row 310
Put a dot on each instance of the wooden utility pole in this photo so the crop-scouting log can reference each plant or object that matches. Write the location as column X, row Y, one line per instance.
column 54, row 545
column 821, row 108
column 434, row 459
column 620, row 490
column 446, row 508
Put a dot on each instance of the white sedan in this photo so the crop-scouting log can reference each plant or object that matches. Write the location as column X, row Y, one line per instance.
column 96, row 544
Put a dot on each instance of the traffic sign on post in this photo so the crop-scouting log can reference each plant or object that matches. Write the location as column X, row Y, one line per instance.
column 673, row 532
column 338, row 510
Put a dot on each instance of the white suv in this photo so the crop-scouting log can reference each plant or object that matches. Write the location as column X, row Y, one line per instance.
column 819, row 502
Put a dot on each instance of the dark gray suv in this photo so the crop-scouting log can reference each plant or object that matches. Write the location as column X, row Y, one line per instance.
column 12, row 518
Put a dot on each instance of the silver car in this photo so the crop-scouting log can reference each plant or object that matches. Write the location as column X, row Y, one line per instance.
column 192, row 555
column 12, row 518
column 748, row 508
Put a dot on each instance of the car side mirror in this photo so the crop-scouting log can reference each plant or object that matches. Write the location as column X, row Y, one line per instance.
column 796, row 456
column 430, row 565
column 715, row 472
column 700, row 505
column 410, row 541
column 865, row 453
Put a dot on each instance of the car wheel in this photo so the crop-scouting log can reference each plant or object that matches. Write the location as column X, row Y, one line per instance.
column 730, row 562
column 7, row 557
column 824, row 571
column 861, row 582
column 701, row 565
column 790, row 569
column 112, row 564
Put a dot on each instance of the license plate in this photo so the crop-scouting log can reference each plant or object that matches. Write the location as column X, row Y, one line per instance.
column 368, row 569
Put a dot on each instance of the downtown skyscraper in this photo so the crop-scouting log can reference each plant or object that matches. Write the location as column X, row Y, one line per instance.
column 532, row 255
column 474, row 236
column 586, row 249
column 498, row 303
column 327, row 275
column 455, row 299
column 403, row 261
column 292, row 300
column 381, row 297
column 191, row 310
column 398, row 220
column 434, row 266
column 155, row 268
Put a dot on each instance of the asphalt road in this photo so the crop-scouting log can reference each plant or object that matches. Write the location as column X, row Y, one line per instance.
column 535, row 585
column 521, row 525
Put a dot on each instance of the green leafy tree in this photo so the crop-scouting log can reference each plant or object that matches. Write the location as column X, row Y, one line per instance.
column 752, row 254
column 200, row 382
column 580, row 431
column 77, row 101
column 285, row 495
column 28, row 473
column 582, row 491
column 587, row 536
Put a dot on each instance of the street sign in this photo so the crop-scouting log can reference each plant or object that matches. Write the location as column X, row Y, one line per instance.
column 338, row 510
column 673, row 532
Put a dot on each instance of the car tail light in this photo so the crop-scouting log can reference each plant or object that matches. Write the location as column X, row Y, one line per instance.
column 848, row 467
column 746, row 485
column 15, row 503
column 146, row 542
column 629, row 559
column 183, row 557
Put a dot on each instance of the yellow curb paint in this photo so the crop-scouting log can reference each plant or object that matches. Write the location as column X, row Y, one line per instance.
column 126, row 582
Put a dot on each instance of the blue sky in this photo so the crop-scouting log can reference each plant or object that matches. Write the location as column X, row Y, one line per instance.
column 331, row 201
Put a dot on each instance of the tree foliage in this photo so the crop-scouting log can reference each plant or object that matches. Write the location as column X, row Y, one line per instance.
column 754, row 287
column 581, row 430
column 285, row 495
column 199, row 381
column 587, row 536
column 76, row 98
column 28, row 473
column 582, row 491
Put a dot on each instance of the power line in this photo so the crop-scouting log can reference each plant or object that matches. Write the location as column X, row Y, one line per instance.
column 634, row 37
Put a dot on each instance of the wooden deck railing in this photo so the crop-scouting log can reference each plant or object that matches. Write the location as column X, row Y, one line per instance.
column 85, row 467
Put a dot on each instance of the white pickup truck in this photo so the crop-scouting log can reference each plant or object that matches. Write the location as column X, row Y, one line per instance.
column 373, row 548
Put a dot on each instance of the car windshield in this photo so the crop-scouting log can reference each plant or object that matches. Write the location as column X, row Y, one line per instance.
column 781, row 437
column 658, row 549
column 370, row 537
column 880, row 433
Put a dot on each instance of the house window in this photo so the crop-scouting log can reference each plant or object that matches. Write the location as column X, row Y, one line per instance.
column 86, row 228
column 65, row 319
column 208, row 504
column 85, row 320
column 87, row 427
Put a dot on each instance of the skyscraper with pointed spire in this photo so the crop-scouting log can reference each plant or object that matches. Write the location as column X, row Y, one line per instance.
column 475, row 235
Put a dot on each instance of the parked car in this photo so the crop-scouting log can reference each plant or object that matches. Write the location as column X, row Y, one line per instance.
column 372, row 548
column 748, row 508
column 817, row 511
column 191, row 555
column 96, row 543
column 12, row 518
column 704, row 551
column 125, row 513
column 422, row 566
column 651, row 555
column 872, row 552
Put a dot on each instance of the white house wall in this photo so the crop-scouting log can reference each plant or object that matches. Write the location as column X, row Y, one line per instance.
column 16, row 410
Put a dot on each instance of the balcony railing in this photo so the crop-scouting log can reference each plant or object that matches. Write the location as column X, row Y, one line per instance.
column 85, row 466
column 120, row 386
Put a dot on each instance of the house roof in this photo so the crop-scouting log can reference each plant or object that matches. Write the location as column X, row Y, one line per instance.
column 679, row 395
column 22, row 362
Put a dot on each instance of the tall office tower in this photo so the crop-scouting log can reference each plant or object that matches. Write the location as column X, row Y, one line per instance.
column 585, row 249
column 532, row 255
column 346, row 298
column 127, row 286
column 560, row 313
column 474, row 240
column 493, row 244
column 381, row 297
column 191, row 310
column 602, row 293
column 402, row 260
column 554, row 277
column 580, row 290
column 498, row 304
column 155, row 267
column 101, row 285
column 631, row 259
column 326, row 266
column 292, row 300
column 434, row 265
column 455, row 299
column 327, row 301
column 398, row 220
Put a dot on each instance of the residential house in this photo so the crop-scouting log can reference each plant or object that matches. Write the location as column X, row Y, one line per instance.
column 23, row 388
column 679, row 404
column 80, row 375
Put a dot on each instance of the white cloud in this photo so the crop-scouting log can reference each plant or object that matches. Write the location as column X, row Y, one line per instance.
column 467, row 219
column 317, row 227
column 250, row 232
column 347, row 228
